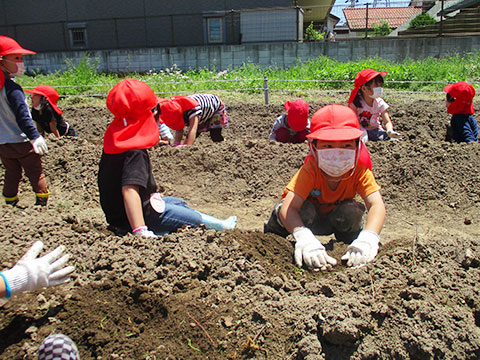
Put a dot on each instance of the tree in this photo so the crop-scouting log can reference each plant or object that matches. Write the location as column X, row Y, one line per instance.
column 421, row 20
column 312, row 34
column 382, row 29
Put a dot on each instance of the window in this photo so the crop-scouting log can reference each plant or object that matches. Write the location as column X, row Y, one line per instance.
column 78, row 35
column 215, row 30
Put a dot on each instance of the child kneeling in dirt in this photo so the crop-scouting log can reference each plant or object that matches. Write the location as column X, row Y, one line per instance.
column 459, row 103
column 365, row 99
column 46, row 114
column 294, row 126
column 125, row 180
column 199, row 112
column 320, row 197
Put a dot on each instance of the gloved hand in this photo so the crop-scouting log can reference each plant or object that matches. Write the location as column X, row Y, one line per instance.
column 363, row 249
column 31, row 273
column 393, row 134
column 40, row 146
column 142, row 231
column 308, row 248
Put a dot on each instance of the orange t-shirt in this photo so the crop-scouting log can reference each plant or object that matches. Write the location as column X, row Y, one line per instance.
column 309, row 181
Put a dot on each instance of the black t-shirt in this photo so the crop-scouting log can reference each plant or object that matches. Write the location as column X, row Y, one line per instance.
column 131, row 167
column 47, row 115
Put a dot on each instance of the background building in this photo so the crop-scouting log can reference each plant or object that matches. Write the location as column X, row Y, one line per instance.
column 59, row 25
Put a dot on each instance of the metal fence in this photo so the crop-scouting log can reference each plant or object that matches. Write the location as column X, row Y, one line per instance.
column 261, row 86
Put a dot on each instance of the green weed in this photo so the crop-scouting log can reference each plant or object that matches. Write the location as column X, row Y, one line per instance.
column 81, row 78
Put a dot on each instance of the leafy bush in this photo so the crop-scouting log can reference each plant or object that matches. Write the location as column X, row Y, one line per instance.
column 312, row 34
column 382, row 29
column 421, row 20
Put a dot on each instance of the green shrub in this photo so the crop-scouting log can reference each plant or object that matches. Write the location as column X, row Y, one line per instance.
column 421, row 20
column 312, row 34
column 382, row 29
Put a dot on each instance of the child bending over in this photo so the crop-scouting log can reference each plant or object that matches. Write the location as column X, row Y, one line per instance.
column 460, row 104
column 294, row 126
column 46, row 113
column 319, row 200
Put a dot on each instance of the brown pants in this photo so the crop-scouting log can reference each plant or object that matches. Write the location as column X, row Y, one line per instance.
column 15, row 157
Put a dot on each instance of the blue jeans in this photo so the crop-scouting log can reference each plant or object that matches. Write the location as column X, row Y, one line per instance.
column 176, row 214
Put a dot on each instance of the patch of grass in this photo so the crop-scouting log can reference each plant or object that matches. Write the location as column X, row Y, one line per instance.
column 81, row 77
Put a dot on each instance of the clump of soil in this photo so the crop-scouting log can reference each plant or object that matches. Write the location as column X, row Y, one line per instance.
column 200, row 294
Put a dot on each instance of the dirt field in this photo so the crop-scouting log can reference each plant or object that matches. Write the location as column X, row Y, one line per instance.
column 198, row 294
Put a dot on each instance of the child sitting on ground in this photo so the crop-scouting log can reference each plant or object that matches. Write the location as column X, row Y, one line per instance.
column 365, row 99
column 46, row 114
column 320, row 197
column 21, row 145
column 128, row 192
column 459, row 103
column 199, row 112
column 294, row 126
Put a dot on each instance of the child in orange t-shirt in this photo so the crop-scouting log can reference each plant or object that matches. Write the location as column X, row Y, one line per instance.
column 320, row 197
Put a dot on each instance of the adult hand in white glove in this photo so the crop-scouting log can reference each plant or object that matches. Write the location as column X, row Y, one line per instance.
column 363, row 249
column 40, row 146
column 311, row 251
column 144, row 232
column 31, row 273
column 393, row 134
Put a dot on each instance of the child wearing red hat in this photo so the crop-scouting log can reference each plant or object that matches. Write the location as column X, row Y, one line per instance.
column 459, row 103
column 46, row 113
column 320, row 197
column 128, row 192
column 294, row 126
column 199, row 112
column 20, row 142
column 365, row 99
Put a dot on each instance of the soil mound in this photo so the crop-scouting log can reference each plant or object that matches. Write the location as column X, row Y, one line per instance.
column 200, row 294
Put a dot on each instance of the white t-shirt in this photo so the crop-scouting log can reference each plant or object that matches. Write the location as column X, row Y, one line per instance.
column 370, row 116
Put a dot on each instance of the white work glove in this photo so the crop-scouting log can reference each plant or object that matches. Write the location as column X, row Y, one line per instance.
column 308, row 248
column 394, row 135
column 31, row 273
column 39, row 145
column 143, row 231
column 363, row 249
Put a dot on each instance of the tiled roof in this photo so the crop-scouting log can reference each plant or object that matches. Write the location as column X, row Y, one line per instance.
column 395, row 16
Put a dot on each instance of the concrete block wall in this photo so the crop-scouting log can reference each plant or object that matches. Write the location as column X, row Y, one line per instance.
column 271, row 54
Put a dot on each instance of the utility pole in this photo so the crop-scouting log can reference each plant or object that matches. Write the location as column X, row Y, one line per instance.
column 441, row 22
column 366, row 22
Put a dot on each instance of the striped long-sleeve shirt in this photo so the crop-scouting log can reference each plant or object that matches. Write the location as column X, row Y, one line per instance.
column 209, row 105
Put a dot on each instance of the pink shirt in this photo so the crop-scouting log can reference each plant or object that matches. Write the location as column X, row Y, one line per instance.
column 370, row 117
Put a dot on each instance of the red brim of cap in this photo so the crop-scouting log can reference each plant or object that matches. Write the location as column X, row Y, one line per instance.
column 335, row 134
column 20, row 51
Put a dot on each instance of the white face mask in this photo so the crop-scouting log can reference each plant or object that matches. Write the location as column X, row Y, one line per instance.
column 20, row 68
column 38, row 107
column 336, row 162
column 377, row 92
